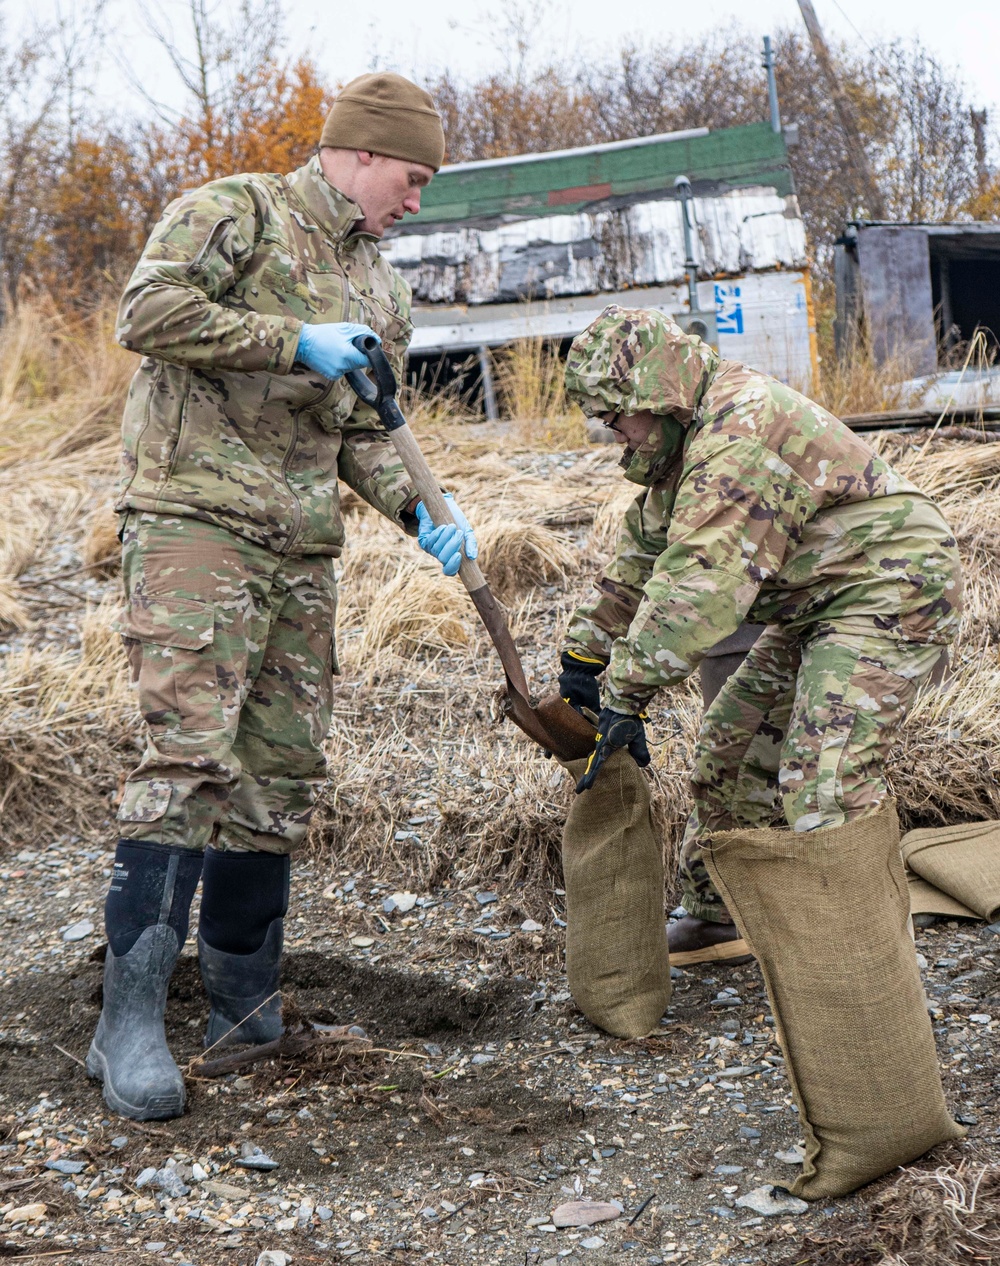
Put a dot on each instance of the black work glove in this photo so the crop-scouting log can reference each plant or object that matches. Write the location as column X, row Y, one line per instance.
column 614, row 731
column 578, row 681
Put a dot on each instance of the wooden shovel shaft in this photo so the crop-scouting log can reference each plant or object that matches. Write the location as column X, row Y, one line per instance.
column 489, row 609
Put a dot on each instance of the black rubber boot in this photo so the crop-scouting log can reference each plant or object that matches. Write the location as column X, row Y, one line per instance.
column 146, row 917
column 244, row 899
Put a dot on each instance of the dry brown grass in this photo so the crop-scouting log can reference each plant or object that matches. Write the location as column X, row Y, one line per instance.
column 949, row 1216
column 529, row 376
column 62, row 382
column 413, row 734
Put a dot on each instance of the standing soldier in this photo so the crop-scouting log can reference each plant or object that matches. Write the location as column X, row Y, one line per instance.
column 237, row 428
column 757, row 505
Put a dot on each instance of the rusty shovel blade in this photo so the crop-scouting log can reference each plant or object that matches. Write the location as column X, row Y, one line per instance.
column 552, row 723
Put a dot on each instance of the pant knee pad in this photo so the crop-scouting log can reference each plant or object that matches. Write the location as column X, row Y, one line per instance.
column 150, row 883
column 242, row 895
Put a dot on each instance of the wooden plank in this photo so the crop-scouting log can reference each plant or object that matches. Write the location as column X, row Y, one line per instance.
column 898, row 307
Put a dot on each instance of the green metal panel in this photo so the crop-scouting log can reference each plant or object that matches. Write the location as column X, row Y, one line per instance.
column 738, row 156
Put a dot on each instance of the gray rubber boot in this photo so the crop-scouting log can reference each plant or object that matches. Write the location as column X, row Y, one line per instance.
column 129, row 1052
column 243, row 991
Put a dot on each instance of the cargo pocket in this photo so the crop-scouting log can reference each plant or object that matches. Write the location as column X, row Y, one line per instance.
column 170, row 647
column 144, row 801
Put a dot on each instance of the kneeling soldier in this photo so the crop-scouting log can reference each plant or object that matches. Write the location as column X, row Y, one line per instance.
column 757, row 505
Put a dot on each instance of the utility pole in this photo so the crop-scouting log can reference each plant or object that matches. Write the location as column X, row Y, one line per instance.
column 772, row 86
column 978, row 120
column 855, row 149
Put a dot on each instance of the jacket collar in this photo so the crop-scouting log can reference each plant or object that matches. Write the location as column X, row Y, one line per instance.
column 333, row 211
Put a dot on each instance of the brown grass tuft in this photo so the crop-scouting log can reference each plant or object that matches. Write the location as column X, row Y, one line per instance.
column 949, row 1216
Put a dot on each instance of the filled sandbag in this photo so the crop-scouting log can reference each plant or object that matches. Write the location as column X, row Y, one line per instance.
column 846, row 993
column 962, row 863
column 617, row 965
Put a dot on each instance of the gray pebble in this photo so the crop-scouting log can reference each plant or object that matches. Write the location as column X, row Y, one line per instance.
column 486, row 898
column 77, row 931
column 252, row 1157
column 771, row 1202
column 592, row 1241
column 62, row 1166
column 749, row 1132
column 728, row 1171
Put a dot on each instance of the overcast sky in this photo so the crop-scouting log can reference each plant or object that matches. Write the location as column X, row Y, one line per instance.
column 468, row 36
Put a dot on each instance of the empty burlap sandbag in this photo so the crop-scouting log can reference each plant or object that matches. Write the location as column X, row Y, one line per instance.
column 845, row 990
column 616, row 941
column 962, row 862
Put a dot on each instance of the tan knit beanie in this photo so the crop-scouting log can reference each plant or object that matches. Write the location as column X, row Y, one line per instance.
column 386, row 114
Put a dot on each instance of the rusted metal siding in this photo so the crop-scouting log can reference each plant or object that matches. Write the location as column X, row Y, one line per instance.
column 607, row 249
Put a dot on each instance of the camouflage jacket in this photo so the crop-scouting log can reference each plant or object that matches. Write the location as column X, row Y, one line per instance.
column 220, row 422
column 758, row 504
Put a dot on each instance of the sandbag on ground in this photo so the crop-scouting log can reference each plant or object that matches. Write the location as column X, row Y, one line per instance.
column 846, row 993
column 617, row 965
column 962, row 863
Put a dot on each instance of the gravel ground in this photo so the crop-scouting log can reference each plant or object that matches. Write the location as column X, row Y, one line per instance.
column 487, row 1101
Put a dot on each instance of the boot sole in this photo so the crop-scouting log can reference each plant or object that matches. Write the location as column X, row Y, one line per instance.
column 155, row 1108
column 731, row 952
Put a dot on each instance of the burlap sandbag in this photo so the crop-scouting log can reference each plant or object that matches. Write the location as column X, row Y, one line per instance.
column 962, row 863
column 845, row 990
column 616, row 941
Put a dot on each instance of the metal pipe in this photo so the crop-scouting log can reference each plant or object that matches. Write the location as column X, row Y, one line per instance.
column 772, row 85
column 683, row 188
column 489, row 390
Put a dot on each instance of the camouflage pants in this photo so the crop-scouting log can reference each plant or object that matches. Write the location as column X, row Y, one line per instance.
column 231, row 648
column 798, row 736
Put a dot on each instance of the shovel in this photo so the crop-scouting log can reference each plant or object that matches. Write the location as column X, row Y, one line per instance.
column 551, row 722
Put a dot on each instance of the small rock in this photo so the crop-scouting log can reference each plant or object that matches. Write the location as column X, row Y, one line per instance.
column 323, row 1213
column 771, row 1202
column 791, row 1155
column 592, row 1241
column 26, row 1213
column 966, row 1118
column 169, row 1182
column 482, row 1059
column 226, row 1190
column 981, row 1018
column 273, row 1257
column 729, row 1171
column 584, row 1213
column 486, row 898
column 362, row 942
column 721, row 1211
column 749, row 1132
column 62, row 1166
column 401, row 901
column 529, row 925
column 77, row 931
column 253, row 1157
column 120, row 1141
column 156, row 1246
column 145, row 1176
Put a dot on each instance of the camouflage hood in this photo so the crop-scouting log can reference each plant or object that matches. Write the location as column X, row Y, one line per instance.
column 631, row 359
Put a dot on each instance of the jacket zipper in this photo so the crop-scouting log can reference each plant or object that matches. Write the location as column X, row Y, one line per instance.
column 196, row 266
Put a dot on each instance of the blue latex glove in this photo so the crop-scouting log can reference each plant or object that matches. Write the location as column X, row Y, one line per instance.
column 445, row 542
column 328, row 348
